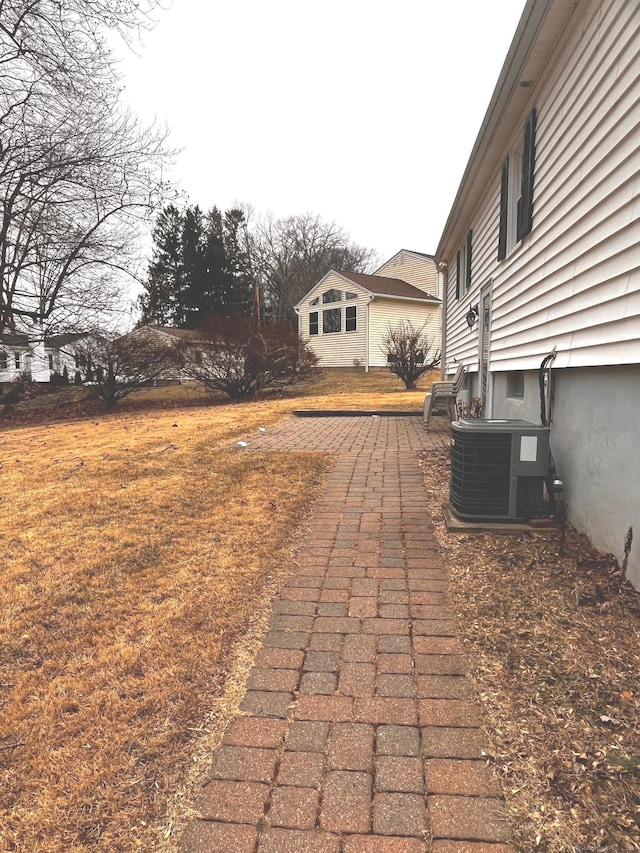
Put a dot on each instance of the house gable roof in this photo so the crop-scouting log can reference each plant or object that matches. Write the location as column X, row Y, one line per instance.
column 57, row 341
column 13, row 340
column 422, row 255
column 375, row 285
column 381, row 285
column 181, row 334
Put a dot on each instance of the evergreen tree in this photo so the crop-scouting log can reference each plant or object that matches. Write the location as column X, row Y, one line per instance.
column 240, row 290
column 159, row 302
column 199, row 268
column 190, row 296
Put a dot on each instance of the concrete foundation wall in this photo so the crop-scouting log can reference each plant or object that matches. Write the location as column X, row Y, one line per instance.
column 526, row 407
column 595, row 441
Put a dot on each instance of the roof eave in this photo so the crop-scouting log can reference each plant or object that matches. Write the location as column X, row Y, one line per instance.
column 430, row 300
column 542, row 23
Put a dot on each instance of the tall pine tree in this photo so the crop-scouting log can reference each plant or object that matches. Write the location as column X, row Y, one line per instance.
column 158, row 302
column 199, row 268
column 240, row 287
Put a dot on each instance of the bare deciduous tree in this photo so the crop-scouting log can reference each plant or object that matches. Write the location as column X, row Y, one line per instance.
column 239, row 357
column 78, row 173
column 123, row 364
column 410, row 352
column 288, row 256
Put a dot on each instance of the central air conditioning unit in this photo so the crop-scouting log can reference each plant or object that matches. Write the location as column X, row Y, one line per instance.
column 498, row 469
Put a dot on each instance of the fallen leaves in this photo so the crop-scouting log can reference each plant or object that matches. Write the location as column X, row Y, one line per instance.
column 554, row 649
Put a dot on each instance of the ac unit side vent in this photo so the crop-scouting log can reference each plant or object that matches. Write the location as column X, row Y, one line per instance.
column 481, row 473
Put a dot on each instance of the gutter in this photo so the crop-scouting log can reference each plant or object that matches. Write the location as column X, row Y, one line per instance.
column 432, row 300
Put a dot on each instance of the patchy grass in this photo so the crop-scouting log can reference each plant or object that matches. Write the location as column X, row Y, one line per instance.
column 133, row 555
column 140, row 553
column 328, row 388
column 348, row 389
column 554, row 646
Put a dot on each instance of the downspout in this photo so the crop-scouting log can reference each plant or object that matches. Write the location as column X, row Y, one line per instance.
column 443, row 283
column 368, row 338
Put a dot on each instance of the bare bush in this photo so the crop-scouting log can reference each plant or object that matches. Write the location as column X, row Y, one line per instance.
column 124, row 364
column 410, row 352
column 239, row 357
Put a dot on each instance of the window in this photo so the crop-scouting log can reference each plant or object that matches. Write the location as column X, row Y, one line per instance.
column 3, row 361
column 50, row 358
column 315, row 301
column 463, row 265
column 313, row 322
column 331, row 321
column 349, row 296
column 516, row 191
column 350, row 318
column 332, row 295
column 515, row 383
column 17, row 360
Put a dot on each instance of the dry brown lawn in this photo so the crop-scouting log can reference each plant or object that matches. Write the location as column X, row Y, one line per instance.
column 140, row 551
column 554, row 645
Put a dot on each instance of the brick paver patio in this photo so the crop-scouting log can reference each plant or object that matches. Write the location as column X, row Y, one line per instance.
column 358, row 731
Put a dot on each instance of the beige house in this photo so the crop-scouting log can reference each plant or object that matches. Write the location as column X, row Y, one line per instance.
column 347, row 315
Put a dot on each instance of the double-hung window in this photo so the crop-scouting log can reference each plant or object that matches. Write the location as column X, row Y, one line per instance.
column 463, row 265
column 313, row 322
column 350, row 324
column 516, row 191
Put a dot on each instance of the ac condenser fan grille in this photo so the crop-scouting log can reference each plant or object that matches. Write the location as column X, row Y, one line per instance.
column 480, row 473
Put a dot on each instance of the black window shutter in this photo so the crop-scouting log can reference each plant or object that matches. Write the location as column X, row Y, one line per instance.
column 469, row 241
column 525, row 205
column 504, row 200
column 458, row 273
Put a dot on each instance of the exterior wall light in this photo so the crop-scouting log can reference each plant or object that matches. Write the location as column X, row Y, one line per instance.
column 472, row 316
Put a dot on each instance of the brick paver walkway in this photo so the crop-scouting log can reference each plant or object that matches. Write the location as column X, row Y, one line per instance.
column 358, row 731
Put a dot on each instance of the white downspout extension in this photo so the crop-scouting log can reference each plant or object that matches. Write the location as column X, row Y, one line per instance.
column 443, row 284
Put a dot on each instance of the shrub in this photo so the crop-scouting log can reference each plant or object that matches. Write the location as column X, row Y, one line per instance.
column 410, row 352
column 239, row 356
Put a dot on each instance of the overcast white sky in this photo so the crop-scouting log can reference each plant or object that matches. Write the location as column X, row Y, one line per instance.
column 362, row 112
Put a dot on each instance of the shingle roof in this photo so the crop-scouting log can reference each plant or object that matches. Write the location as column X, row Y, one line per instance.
column 381, row 285
column 176, row 333
column 57, row 341
column 14, row 340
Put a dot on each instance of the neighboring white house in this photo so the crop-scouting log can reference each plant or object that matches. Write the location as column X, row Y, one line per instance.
column 542, row 247
column 346, row 316
column 39, row 358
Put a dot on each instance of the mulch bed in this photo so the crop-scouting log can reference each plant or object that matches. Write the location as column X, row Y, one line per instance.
column 552, row 631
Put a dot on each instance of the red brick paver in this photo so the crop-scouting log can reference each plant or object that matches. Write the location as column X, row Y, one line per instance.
column 359, row 732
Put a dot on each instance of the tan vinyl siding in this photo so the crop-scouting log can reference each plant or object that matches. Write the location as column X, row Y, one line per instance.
column 336, row 349
column 414, row 269
column 574, row 282
column 384, row 313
